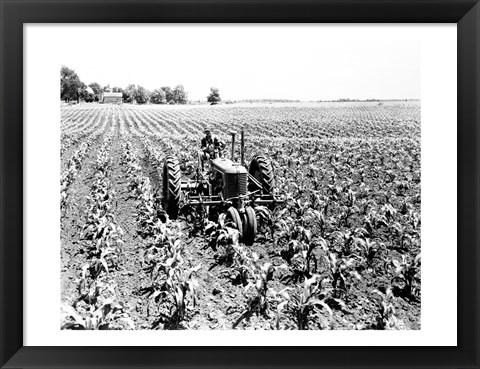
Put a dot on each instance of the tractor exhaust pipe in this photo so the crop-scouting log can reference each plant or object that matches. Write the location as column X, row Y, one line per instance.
column 233, row 133
column 242, row 147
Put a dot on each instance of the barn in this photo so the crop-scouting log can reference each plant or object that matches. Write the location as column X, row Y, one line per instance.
column 111, row 97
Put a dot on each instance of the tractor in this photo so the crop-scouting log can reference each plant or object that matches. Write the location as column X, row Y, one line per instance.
column 224, row 186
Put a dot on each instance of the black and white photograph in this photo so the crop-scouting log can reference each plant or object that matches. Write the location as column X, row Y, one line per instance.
column 234, row 177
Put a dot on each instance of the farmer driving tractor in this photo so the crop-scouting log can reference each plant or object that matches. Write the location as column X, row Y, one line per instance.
column 209, row 146
column 225, row 186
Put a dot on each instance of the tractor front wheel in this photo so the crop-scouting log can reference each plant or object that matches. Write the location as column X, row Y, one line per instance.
column 249, row 226
column 171, row 181
column 234, row 217
column 261, row 169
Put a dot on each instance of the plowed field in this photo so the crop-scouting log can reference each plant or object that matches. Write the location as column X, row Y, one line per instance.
column 342, row 252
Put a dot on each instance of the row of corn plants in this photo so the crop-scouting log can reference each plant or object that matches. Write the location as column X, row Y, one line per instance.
column 352, row 221
column 171, row 288
column 311, row 239
column 73, row 166
column 88, row 136
column 97, row 306
column 247, row 269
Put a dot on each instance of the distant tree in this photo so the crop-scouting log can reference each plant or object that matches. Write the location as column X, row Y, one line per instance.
column 117, row 89
column 142, row 95
column 214, row 97
column 96, row 87
column 179, row 95
column 128, row 93
column 86, row 93
column 70, row 84
column 158, row 96
column 107, row 88
column 168, row 93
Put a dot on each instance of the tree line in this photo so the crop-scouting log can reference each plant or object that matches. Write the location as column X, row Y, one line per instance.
column 73, row 89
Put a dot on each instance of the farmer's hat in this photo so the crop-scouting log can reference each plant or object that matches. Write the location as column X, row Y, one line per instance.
column 207, row 129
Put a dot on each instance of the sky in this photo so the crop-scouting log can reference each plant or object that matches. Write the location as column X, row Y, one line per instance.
column 297, row 62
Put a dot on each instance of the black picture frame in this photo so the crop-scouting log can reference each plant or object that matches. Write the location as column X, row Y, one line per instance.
column 466, row 13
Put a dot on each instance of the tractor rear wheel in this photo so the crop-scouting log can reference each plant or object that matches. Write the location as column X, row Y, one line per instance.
column 249, row 226
column 261, row 169
column 234, row 217
column 171, row 181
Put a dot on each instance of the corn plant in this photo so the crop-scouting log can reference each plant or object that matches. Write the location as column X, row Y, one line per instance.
column 304, row 305
column 67, row 178
column 171, row 283
column 340, row 268
column 103, row 161
column 110, row 315
column 389, row 211
column 260, row 301
column 182, row 284
column 317, row 200
column 367, row 250
column 105, row 234
column 318, row 217
column 301, row 255
column 241, row 262
column 261, row 275
column 386, row 310
column 147, row 214
column 414, row 220
column 89, row 290
column 401, row 232
column 350, row 208
column 408, row 271
column 275, row 221
column 224, row 234
column 373, row 221
column 347, row 242
column 299, row 209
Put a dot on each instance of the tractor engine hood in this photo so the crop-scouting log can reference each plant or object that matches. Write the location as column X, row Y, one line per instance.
column 227, row 166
